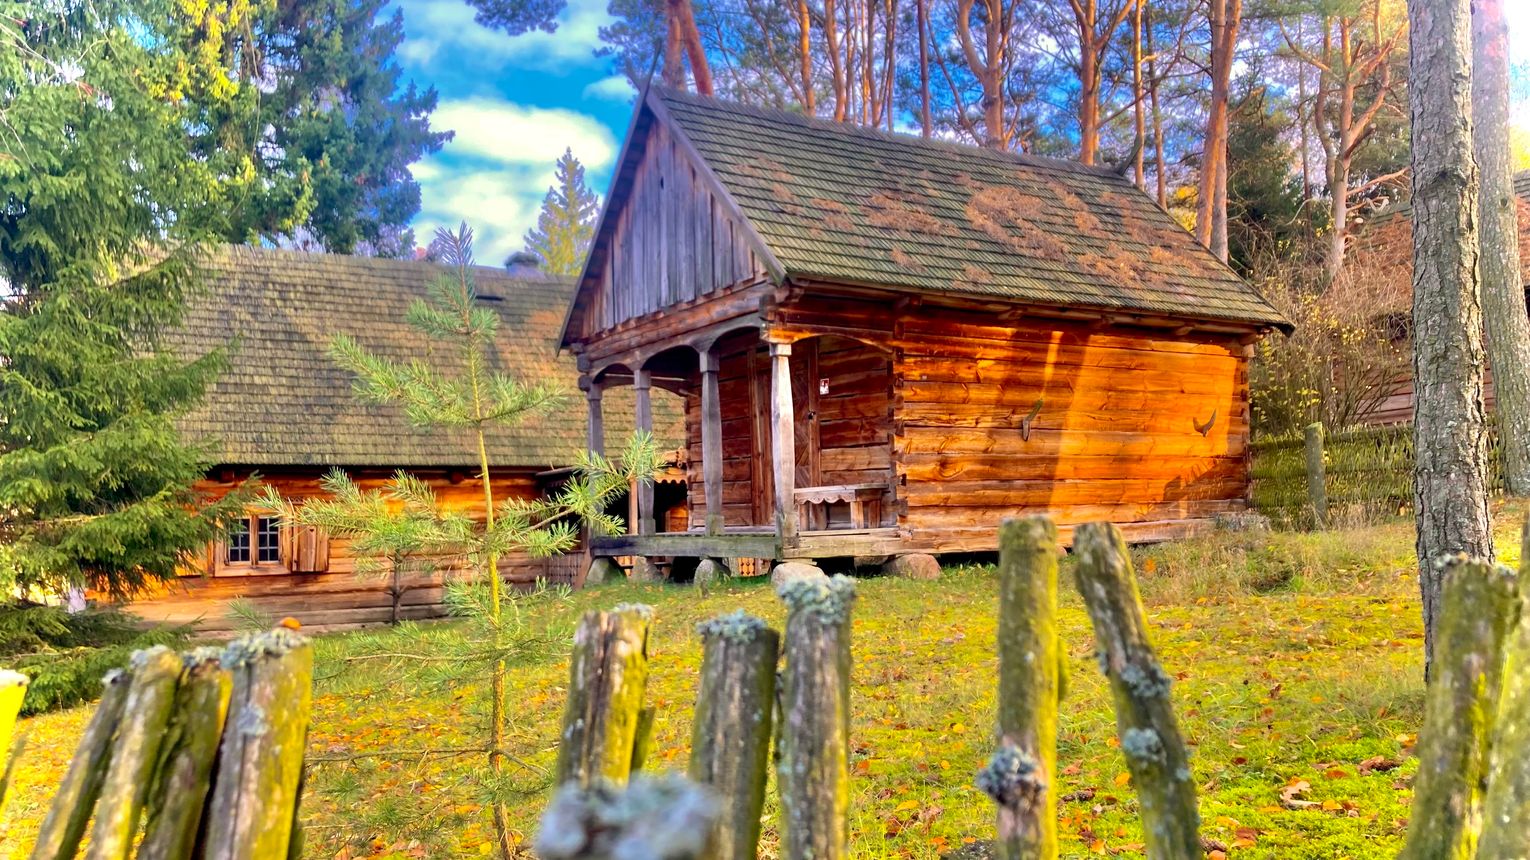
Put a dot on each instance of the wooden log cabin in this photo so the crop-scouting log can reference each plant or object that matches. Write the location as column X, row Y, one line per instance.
column 285, row 413
column 1380, row 265
column 885, row 345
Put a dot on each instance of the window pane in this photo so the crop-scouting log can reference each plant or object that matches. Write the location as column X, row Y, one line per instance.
column 239, row 542
column 268, row 539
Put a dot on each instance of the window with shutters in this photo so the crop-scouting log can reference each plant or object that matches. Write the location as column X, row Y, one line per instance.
column 261, row 544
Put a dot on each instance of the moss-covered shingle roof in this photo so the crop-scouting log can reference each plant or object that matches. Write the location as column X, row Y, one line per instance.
column 284, row 402
column 837, row 202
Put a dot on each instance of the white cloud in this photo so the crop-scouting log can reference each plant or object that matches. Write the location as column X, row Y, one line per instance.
column 508, row 133
column 616, row 88
column 446, row 29
column 500, row 205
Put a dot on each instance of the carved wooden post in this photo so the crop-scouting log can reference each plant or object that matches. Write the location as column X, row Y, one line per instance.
column 813, row 772
column 607, row 676
column 1477, row 606
column 783, row 442
column 1317, row 475
column 260, row 763
column 1021, row 775
column 730, row 738
column 1150, row 739
column 595, row 439
column 1506, row 809
column 641, row 381
column 135, row 750
column 711, row 442
column 75, row 799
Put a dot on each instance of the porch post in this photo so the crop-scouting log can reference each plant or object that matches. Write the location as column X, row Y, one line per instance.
column 596, row 442
column 711, row 442
column 640, row 384
column 783, row 441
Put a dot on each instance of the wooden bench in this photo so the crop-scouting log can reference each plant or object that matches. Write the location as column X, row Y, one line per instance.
column 865, row 502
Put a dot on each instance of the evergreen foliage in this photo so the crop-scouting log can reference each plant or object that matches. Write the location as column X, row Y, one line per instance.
column 561, row 239
column 98, row 244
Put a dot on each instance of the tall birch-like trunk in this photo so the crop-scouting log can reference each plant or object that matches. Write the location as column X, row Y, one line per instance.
column 1503, row 293
column 1211, row 211
column 1450, row 473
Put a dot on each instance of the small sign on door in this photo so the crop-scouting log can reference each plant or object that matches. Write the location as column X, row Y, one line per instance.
column 823, row 387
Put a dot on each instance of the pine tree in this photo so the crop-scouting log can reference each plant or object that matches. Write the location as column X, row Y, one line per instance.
column 567, row 223
column 404, row 522
column 97, row 256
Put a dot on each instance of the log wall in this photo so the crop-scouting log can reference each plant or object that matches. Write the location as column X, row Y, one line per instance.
column 1115, row 436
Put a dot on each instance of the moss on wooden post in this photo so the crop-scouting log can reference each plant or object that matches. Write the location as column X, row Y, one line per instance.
column 1150, row 739
column 190, row 748
column 607, row 677
column 155, row 673
column 730, row 737
column 814, row 770
column 666, row 817
column 1478, row 604
column 1506, row 809
column 13, row 690
column 75, row 799
column 260, row 761
column 1020, row 777
column 1317, row 475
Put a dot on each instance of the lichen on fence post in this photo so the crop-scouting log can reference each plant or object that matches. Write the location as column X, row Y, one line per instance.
column 1506, row 808
column 1150, row 739
column 1317, row 474
column 666, row 817
column 260, row 761
column 191, row 748
column 154, row 676
column 1020, row 776
column 813, row 774
column 608, row 674
column 64, row 826
column 730, row 737
column 1478, row 604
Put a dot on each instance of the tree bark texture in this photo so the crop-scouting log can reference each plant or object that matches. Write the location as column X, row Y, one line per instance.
column 1503, row 289
column 1021, row 778
column 155, row 675
column 813, row 773
column 190, row 749
column 607, row 678
column 260, row 762
column 1150, row 739
column 1450, row 473
column 1479, row 604
column 730, row 738
column 64, row 826
column 1506, row 808
column 1225, row 17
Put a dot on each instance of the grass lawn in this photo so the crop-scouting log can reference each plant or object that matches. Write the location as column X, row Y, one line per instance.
column 1297, row 659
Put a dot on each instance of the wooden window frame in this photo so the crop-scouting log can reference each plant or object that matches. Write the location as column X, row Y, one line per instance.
column 255, row 566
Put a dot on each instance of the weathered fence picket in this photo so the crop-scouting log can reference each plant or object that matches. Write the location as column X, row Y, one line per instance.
column 604, row 723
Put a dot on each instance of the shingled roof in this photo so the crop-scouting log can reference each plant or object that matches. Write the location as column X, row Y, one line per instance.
column 284, row 402
column 838, row 202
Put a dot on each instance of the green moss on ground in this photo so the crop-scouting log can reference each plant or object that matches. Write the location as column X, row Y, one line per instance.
column 1296, row 662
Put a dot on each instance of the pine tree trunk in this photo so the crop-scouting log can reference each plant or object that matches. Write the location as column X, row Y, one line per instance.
column 260, row 762
column 1506, row 809
column 1022, row 776
column 150, row 701
column 608, row 674
column 75, row 800
column 1503, row 293
column 730, row 738
column 1450, row 473
column 1150, row 739
column 1479, row 602
column 813, row 773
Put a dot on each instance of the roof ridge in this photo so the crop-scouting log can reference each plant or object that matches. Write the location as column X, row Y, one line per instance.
column 902, row 138
column 230, row 249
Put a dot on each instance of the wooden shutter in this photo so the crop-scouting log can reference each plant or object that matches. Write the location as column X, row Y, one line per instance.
column 306, row 549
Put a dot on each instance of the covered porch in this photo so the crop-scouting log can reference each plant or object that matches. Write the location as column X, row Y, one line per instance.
column 789, row 441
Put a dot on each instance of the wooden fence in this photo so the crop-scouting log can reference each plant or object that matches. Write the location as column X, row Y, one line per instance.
column 1367, row 474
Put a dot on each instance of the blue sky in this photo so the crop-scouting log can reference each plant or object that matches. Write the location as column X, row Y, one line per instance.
column 515, row 104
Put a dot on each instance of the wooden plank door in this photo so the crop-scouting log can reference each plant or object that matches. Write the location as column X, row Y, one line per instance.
column 760, row 478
